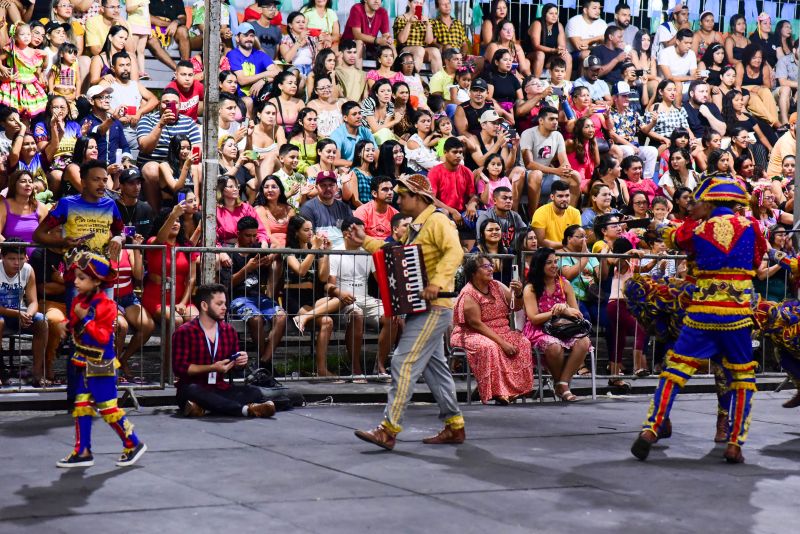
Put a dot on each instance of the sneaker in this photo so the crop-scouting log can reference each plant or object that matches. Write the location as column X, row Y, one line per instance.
column 73, row 460
column 131, row 456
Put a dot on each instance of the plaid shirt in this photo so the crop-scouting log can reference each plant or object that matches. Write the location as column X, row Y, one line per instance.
column 453, row 36
column 190, row 346
column 417, row 35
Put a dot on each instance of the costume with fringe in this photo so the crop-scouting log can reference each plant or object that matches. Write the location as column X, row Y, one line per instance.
column 95, row 360
column 719, row 312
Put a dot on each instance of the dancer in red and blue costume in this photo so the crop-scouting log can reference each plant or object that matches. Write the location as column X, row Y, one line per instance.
column 92, row 324
column 719, row 317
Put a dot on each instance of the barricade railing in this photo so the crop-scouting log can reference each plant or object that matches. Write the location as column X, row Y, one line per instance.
column 37, row 355
column 291, row 356
column 327, row 340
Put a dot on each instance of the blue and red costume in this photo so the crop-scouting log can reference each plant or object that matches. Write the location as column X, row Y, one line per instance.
column 719, row 315
column 95, row 360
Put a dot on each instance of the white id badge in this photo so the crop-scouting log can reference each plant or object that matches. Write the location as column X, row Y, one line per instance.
column 212, row 377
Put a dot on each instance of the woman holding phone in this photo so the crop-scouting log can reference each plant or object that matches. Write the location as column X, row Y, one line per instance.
column 179, row 171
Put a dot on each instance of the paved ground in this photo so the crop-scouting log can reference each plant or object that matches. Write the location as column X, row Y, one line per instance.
column 527, row 468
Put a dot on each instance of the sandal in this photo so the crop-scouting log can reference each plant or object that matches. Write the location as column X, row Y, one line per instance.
column 618, row 383
column 359, row 379
column 501, row 400
column 300, row 326
column 566, row 395
column 584, row 371
column 641, row 373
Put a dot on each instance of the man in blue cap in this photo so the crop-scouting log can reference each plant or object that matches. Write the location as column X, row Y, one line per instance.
column 252, row 67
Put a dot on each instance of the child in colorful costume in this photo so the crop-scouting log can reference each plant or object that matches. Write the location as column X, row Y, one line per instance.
column 719, row 318
column 21, row 88
column 92, row 324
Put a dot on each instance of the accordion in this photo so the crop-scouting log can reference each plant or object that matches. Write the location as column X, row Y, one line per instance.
column 401, row 275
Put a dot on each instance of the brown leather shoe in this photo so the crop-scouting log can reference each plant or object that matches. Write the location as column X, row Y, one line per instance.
column 641, row 447
column 722, row 429
column 261, row 409
column 733, row 454
column 192, row 409
column 380, row 436
column 794, row 402
column 448, row 436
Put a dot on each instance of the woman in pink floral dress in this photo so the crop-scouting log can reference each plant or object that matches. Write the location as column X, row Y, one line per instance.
column 548, row 294
column 499, row 357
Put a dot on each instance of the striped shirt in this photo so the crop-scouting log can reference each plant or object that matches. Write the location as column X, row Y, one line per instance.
column 184, row 126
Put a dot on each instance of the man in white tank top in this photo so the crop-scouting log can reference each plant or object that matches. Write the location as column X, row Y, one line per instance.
column 136, row 98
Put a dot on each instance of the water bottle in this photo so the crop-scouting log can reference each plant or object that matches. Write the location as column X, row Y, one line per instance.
column 567, row 109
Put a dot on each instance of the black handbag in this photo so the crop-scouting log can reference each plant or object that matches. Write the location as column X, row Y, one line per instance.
column 566, row 328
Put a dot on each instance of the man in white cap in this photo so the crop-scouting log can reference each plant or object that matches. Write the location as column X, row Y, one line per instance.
column 666, row 32
column 625, row 126
column 107, row 124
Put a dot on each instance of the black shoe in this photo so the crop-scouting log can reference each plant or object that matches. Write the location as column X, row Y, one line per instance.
column 73, row 460
column 131, row 456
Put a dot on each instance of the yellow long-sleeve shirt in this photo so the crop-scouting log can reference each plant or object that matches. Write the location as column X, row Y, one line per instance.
column 441, row 250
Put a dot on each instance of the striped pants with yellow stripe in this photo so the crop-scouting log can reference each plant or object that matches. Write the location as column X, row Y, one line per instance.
column 420, row 351
column 733, row 350
column 99, row 395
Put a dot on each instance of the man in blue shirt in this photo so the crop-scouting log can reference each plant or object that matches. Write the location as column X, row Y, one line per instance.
column 105, row 122
column 598, row 89
column 252, row 67
column 351, row 132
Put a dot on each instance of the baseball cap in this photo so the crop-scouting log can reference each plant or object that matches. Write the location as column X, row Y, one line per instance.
column 55, row 25
column 326, row 175
column 489, row 115
column 680, row 6
column 479, row 84
column 245, row 27
column 592, row 61
column 129, row 175
column 622, row 89
column 97, row 90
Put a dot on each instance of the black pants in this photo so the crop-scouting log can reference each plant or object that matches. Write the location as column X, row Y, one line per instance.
column 220, row 401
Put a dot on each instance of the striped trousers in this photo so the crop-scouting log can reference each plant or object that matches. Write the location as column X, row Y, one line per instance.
column 420, row 352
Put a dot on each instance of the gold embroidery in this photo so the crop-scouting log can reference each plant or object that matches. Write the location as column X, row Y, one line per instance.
column 723, row 232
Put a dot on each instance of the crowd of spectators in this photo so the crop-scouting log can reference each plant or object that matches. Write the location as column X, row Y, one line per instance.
column 574, row 137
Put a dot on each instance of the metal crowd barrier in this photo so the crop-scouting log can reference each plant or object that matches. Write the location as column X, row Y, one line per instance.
column 17, row 361
column 295, row 356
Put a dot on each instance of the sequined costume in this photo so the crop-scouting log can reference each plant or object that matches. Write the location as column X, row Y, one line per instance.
column 94, row 357
column 719, row 315
column 659, row 304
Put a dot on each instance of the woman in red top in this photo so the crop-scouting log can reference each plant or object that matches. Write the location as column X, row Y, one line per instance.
column 131, row 313
column 169, row 229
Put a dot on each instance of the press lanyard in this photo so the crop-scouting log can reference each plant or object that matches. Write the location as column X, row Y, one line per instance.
column 216, row 344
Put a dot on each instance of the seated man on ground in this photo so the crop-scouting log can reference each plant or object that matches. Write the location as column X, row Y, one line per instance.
column 244, row 279
column 204, row 351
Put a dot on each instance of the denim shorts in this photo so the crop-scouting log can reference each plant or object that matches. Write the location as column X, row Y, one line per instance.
column 125, row 301
column 12, row 323
column 247, row 308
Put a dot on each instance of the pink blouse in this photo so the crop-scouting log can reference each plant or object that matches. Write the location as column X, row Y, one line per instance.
column 226, row 223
